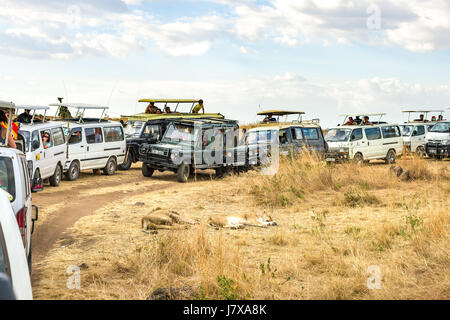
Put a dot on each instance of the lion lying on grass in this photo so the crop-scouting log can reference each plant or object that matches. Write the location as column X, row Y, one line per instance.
column 240, row 222
column 161, row 219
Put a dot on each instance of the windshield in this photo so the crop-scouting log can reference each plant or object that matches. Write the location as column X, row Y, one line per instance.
column 26, row 136
column 406, row 130
column 7, row 182
column 254, row 137
column 133, row 129
column 178, row 133
column 441, row 127
column 338, row 135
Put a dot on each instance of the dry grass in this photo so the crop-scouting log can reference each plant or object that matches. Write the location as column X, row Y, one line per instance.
column 334, row 223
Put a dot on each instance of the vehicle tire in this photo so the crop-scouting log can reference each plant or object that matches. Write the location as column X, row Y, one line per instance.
column 390, row 157
column 183, row 172
column 358, row 159
column 55, row 179
column 37, row 176
column 30, row 257
column 420, row 152
column 147, row 171
column 128, row 162
column 74, row 171
column 111, row 167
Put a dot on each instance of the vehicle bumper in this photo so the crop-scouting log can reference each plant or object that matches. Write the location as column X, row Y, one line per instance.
column 437, row 149
column 335, row 156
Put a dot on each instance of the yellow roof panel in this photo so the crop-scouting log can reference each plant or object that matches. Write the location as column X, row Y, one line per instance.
column 169, row 100
column 157, row 116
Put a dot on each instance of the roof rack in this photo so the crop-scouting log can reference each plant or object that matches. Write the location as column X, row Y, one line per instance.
column 359, row 115
column 9, row 106
column 281, row 113
column 81, row 108
column 177, row 101
column 425, row 112
column 34, row 109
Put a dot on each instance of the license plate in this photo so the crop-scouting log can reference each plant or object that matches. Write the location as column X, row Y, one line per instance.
column 432, row 151
column 331, row 160
column 158, row 152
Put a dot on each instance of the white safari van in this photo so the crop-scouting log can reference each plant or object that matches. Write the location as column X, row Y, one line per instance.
column 364, row 141
column 414, row 131
column 45, row 160
column 93, row 143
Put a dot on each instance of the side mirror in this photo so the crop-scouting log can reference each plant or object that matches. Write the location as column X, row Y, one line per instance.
column 34, row 216
column 35, row 144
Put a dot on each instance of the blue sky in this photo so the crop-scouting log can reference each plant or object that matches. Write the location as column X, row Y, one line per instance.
column 323, row 57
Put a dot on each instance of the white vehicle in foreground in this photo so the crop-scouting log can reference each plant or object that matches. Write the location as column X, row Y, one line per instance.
column 44, row 161
column 93, row 143
column 362, row 143
column 14, row 179
column 13, row 261
column 438, row 140
column 415, row 131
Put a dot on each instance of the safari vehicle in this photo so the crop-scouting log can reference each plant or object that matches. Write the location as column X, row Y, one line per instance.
column 362, row 143
column 193, row 144
column 175, row 112
column 15, row 180
column 292, row 136
column 438, row 140
column 92, row 143
column 149, row 128
column 415, row 131
column 44, row 161
column 14, row 271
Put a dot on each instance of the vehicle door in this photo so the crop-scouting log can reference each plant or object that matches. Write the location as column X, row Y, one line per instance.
column 27, row 202
column 297, row 137
column 59, row 147
column 47, row 154
column 417, row 137
column 77, row 146
column 392, row 138
column 374, row 143
column 115, row 144
column 357, row 143
column 95, row 154
column 313, row 139
column 286, row 145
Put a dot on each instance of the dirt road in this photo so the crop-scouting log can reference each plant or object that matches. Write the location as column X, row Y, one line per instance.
column 61, row 207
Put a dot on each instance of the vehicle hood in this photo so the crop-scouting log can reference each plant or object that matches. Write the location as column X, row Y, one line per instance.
column 438, row 136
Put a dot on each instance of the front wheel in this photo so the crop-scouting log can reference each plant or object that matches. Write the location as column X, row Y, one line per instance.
column 111, row 167
column 183, row 173
column 147, row 171
column 55, row 180
column 358, row 159
column 74, row 171
column 390, row 157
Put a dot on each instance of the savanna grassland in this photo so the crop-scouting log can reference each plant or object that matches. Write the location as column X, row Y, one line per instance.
column 336, row 224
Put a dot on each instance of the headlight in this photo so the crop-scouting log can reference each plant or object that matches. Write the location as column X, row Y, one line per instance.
column 143, row 149
column 174, row 156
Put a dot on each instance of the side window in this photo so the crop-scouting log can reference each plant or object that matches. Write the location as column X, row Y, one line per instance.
column 26, row 174
column 357, row 134
column 94, row 135
column 283, row 137
column 4, row 260
column 419, row 131
column 75, row 136
column 58, row 136
column 311, row 133
column 390, row 132
column 373, row 133
column 49, row 141
column 35, row 141
column 297, row 133
column 113, row 134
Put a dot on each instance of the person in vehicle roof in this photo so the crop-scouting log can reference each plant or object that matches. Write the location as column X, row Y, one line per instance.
column 25, row 117
column 199, row 107
column 269, row 118
column 350, row 122
column 64, row 113
column 366, row 121
column 421, row 118
column 167, row 110
column 3, row 129
column 440, row 118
